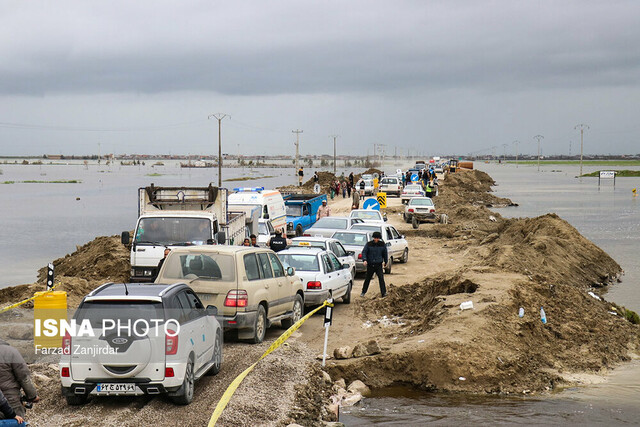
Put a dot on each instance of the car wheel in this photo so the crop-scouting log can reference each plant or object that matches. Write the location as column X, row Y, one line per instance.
column 216, row 359
column 406, row 218
column 298, row 230
column 74, row 399
column 389, row 264
column 260, row 327
column 296, row 313
column 414, row 222
column 346, row 298
column 185, row 394
column 405, row 256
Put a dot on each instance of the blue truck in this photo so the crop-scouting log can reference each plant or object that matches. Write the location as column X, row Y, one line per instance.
column 301, row 211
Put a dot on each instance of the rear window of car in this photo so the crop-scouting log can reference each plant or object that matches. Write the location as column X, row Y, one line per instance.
column 352, row 239
column 366, row 215
column 300, row 262
column 202, row 266
column 335, row 223
column 389, row 181
column 127, row 312
column 421, row 202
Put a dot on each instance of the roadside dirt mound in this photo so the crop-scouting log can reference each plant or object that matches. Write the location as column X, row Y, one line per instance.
column 549, row 248
column 104, row 259
column 418, row 303
column 490, row 349
column 75, row 287
column 324, row 179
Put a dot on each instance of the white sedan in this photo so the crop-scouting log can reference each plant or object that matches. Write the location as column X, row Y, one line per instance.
column 410, row 191
column 321, row 272
column 397, row 245
column 422, row 208
column 344, row 255
column 368, row 215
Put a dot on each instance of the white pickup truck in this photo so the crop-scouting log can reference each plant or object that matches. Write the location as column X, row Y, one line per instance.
column 179, row 216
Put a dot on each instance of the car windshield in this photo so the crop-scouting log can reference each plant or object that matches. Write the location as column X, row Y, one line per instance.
column 366, row 215
column 173, row 231
column 123, row 311
column 421, row 202
column 333, row 223
column 209, row 266
column 300, row 262
column 352, row 239
column 262, row 228
column 367, row 227
column 294, row 210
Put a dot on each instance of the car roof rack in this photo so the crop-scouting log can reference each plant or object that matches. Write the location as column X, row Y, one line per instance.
column 100, row 288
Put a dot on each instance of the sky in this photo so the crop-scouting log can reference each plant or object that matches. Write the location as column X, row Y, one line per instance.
column 420, row 77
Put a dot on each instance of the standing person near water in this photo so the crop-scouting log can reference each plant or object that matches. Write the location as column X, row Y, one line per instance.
column 300, row 176
column 375, row 257
column 351, row 179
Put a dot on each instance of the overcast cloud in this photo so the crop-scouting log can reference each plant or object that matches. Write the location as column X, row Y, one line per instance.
column 436, row 76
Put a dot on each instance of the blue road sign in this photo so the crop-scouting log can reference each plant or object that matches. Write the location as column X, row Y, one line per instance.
column 371, row 204
column 414, row 177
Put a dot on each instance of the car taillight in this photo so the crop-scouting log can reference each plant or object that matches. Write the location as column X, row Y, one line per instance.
column 410, row 210
column 306, row 235
column 236, row 298
column 171, row 342
column 432, row 210
column 64, row 372
column 66, row 343
column 314, row 285
column 360, row 256
column 168, row 372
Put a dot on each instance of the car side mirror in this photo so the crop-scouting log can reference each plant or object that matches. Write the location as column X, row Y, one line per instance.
column 384, row 216
column 291, row 271
column 212, row 310
column 125, row 238
column 209, row 241
column 345, row 266
column 266, row 216
column 389, row 244
column 221, row 238
column 351, row 253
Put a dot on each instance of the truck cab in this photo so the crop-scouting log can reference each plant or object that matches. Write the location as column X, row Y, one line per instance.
column 301, row 211
column 170, row 217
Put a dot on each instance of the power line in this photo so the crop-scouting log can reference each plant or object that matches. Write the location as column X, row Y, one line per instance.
column 32, row 126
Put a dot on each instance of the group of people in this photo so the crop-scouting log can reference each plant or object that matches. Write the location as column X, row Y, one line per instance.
column 427, row 178
column 15, row 378
column 251, row 241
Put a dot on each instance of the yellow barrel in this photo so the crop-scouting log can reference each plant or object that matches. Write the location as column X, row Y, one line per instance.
column 48, row 305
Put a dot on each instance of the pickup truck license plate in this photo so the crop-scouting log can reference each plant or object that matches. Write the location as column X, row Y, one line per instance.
column 116, row 388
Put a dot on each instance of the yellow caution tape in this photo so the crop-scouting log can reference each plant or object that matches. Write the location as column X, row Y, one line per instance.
column 18, row 304
column 226, row 397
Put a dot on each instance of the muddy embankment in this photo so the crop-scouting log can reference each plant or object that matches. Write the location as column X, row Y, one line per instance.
column 505, row 264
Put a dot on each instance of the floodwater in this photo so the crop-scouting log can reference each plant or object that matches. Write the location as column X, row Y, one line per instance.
column 43, row 222
column 608, row 216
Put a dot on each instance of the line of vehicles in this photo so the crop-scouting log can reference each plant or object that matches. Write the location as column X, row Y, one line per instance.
column 209, row 287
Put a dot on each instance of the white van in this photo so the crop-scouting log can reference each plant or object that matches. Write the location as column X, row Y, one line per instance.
column 270, row 201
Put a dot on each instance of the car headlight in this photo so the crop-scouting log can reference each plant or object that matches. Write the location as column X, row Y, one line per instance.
column 133, row 272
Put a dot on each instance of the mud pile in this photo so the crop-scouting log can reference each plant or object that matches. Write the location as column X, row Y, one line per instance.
column 104, row 259
column 551, row 250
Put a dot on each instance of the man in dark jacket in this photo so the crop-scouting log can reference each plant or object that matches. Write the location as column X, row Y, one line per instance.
column 7, row 413
column 15, row 375
column 375, row 257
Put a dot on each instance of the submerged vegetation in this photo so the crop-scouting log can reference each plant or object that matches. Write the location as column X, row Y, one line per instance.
column 60, row 181
column 625, row 173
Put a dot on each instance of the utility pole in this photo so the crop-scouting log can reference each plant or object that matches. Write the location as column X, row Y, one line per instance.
column 538, row 137
column 504, row 153
column 99, row 153
column 516, row 142
column 297, row 132
column 582, row 127
column 219, row 117
column 570, row 148
column 334, row 151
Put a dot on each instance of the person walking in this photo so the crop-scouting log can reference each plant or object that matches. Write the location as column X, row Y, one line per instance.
column 355, row 199
column 343, row 187
column 351, row 179
column 14, row 377
column 300, row 176
column 316, row 178
column 323, row 211
column 349, row 188
column 375, row 257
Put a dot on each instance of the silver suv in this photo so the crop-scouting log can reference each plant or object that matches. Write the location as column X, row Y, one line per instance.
column 137, row 339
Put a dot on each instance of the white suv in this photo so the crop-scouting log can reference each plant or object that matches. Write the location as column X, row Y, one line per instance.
column 165, row 341
column 391, row 185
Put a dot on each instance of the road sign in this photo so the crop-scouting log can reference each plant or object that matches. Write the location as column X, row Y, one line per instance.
column 382, row 199
column 607, row 174
column 415, row 177
column 371, row 204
